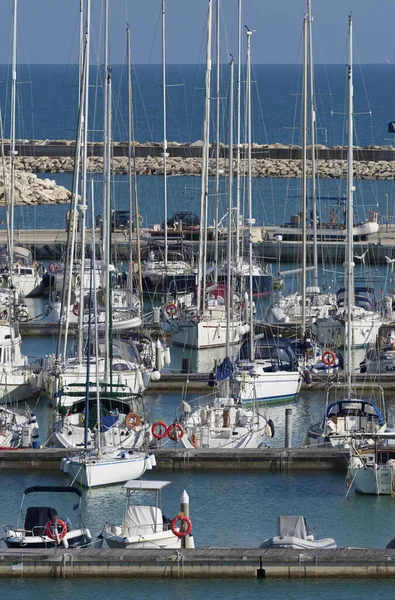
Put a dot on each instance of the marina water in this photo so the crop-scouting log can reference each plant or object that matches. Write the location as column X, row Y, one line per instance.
column 227, row 508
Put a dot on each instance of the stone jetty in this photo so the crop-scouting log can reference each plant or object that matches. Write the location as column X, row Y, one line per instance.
column 30, row 189
column 275, row 160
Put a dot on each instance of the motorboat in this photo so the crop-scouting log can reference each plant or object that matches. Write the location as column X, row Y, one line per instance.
column 273, row 374
column 43, row 527
column 345, row 418
column 145, row 526
column 18, row 428
column 170, row 272
column 372, row 469
column 224, row 423
column 292, row 532
column 106, row 466
column 122, row 421
column 366, row 320
column 26, row 274
column 288, row 309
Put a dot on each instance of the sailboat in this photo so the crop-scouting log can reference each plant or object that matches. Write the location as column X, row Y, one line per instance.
column 103, row 465
column 349, row 416
column 203, row 324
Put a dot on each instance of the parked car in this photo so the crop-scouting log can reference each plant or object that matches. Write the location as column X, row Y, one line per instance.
column 120, row 220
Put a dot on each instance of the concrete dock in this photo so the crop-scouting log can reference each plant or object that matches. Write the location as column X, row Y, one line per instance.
column 180, row 459
column 234, row 563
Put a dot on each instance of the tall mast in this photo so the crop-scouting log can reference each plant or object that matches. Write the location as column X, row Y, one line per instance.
column 218, row 86
column 230, row 207
column 349, row 264
column 249, row 188
column 204, row 182
column 106, row 189
column 238, row 134
column 12, row 135
column 304, row 176
column 83, row 206
column 164, row 125
column 81, row 51
column 132, row 168
column 313, row 150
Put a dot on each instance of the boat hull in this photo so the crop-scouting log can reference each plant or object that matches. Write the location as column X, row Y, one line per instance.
column 103, row 471
column 268, row 387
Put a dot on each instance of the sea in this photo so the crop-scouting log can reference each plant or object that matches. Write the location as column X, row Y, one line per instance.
column 237, row 509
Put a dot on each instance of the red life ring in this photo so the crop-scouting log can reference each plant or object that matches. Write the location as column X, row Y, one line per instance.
column 178, row 532
column 53, row 268
column 171, row 309
column 133, row 420
column 49, row 529
column 162, row 433
column 76, row 309
column 175, row 432
column 328, row 358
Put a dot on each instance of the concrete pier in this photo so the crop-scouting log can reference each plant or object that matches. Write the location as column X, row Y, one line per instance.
column 179, row 459
column 234, row 563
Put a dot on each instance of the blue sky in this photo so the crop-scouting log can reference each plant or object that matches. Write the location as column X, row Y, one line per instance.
column 48, row 30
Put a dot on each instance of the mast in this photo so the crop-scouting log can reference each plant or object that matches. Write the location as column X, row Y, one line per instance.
column 218, row 85
column 249, row 188
column 107, row 254
column 83, row 206
column 230, row 207
column 133, row 168
column 164, row 126
column 238, row 134
column 106, row 189
column 201, row 289
column 304, row 175
column 81, row 51
column 13, row 152
column 349, row 264
column 313, row 149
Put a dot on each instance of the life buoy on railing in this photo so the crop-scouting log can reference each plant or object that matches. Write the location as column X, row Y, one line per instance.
column 52, row 529
column 181, row 531
column 171, row 309
column 175, row 432
column 328, row 358
column 53, row 268
column 132, row 420
column 159, row 430
column 76, row 309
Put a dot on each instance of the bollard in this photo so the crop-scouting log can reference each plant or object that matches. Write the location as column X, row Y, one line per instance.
column 288, row 428
column 184, row 510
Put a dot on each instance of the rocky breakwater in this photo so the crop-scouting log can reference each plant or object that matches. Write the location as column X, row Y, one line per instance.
column 275, row 160
column 30, row 189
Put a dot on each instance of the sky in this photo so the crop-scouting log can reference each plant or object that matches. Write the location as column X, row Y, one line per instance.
column 48, row 30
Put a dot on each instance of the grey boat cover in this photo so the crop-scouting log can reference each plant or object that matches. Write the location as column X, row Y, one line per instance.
column 292, row 527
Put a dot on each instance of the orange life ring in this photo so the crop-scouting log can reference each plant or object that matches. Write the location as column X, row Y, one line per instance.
column 76, row 309
column 162, row 427
column 49, row 529
column 171, row 309
column 175, row 432
column 178, row 532
column 328, row 358
column 132, row 420
column 53, row 268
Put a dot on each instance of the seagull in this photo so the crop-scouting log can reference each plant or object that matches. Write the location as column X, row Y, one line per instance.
column 390, row 261
column 362, row 257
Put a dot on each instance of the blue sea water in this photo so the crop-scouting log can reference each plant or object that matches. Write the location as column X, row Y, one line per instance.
column 236, row 509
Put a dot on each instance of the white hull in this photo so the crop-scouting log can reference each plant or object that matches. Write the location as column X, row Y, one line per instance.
column 297, row 543
column 373, row 480
column 106, row 470
column 332, row 331
column 70, row 435
column 267, row 387
column 205, row 334
column 162, row 539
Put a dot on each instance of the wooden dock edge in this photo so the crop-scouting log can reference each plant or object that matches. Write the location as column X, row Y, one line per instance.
column 248, row 563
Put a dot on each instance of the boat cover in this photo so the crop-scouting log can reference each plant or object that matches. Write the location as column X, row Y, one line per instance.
column 38, row 516
column 141, row 520
column 292, row 526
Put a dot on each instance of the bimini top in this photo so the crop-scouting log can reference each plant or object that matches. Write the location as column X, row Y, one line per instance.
column 355, row 407
column 53, row 488
column 146, row 485
column 269, row 348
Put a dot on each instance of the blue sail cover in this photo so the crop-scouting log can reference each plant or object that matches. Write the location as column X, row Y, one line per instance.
column 225, row 369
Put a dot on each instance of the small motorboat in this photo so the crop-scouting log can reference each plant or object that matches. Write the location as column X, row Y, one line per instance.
column 292, row 532
column 146, row 526
column 43, row 527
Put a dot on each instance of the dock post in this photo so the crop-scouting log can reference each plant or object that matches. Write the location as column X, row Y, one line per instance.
column 184, row 510
column 288, row 428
